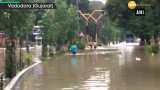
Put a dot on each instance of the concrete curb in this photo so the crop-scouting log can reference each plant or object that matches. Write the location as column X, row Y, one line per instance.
column 21, row 73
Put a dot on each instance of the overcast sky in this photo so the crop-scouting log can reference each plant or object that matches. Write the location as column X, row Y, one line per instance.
column 103, row 1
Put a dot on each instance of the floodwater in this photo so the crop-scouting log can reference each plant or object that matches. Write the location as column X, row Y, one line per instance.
column 129, row 69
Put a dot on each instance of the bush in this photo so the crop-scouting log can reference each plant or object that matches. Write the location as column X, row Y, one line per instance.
column 81, row 45
column 28, row 58
column 148, row 48
column 155, row 49
column 152, row 48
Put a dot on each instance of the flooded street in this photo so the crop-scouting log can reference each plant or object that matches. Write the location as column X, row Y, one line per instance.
column 127, row 69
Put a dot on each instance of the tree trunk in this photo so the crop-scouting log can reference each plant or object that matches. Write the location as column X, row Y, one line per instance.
column 145, row 39
column 156, row 41
column 10, row 58
column 142, row 42
column 27, row 48
column 20, row 55
column 44, row 48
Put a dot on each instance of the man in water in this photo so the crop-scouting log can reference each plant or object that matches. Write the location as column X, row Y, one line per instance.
column 73, row 49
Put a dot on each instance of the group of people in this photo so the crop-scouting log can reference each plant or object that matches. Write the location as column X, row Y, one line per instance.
column 92, row 45
column 73, row 48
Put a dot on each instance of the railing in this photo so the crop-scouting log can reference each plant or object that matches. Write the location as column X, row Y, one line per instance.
column 1, row 81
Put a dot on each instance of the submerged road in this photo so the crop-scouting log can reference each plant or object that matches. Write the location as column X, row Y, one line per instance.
column 132, row 69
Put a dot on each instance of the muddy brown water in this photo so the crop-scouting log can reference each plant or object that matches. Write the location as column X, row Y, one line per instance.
column 132, row 69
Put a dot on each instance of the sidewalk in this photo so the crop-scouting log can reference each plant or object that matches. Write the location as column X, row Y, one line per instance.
column 36, row 60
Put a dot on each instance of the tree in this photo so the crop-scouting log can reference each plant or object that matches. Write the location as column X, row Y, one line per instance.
column 15, row 25
column 144, row 27
column 84, row 5
column 110, row 30
column 61, row 25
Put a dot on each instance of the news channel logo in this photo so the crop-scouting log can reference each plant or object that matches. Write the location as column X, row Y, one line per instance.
column 139, row 8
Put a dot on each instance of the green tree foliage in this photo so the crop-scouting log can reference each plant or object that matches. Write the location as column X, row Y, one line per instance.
column 143, row 27
column 16, row 23
column 61, row 25
column 110, row 31
column 84, row 5
column 73, row 2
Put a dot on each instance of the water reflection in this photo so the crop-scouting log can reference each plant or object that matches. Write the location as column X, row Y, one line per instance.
column 94, row 57
column 99, row 81
column 96, row 71
column 30, row 79
column 121, row 59
column 74, row 60
column 38, row 70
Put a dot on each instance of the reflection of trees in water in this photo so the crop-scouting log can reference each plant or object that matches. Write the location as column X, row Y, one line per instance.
column 94, row 57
